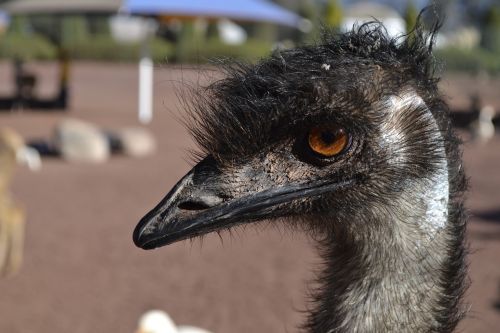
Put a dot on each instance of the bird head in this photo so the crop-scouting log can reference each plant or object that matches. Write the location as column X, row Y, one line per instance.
column 326, row 135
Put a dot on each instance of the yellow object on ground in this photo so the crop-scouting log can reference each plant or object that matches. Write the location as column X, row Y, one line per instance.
column 12, row 217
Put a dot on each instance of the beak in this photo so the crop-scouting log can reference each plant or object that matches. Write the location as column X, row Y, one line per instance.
column 198, row 205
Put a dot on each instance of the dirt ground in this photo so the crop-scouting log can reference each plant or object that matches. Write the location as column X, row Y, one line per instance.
column 83, row 274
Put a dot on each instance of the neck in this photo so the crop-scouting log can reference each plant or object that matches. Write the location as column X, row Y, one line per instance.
column 404, row 278
column 398, row 265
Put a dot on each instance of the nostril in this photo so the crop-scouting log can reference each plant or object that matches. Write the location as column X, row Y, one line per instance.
column 193, row 205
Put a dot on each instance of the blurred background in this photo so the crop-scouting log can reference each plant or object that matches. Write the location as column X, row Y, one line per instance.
column 91, row 140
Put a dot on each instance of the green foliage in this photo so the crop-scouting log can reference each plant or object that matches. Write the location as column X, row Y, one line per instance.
column 193, row 46
column 491, row 31
column 98, row 25
column 74, row 31
column 333, row 14
column 86, row 39
column 212, row 30
column 161, row 51
column 18, row 25
column 492, row 17
column 20, row 43
column 264, row 31
column 186, row 37
column 309, row 10
column 103, row 47
column 46, row 26
column 26, row 47
column 410, row 16
column 472, row 61
column 204, row 51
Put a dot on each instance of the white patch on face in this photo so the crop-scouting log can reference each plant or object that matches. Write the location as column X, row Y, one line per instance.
column 433, row 193
column 326, row 67
column 394, row 105
column 436, row 199
column 391, row 134
column 404, row 100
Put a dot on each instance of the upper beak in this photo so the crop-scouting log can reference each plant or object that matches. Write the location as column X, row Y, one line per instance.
column 198, row 205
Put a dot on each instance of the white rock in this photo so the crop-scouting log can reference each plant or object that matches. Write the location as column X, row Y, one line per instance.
column 136, row 142
column 483, row 129
column 29, row 157
column 191, row 329
column 79, row 141
column 157, row 321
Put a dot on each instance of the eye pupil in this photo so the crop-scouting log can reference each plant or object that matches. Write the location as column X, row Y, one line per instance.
column 328, row 137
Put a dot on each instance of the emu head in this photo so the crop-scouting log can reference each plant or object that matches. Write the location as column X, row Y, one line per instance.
column 330, row 135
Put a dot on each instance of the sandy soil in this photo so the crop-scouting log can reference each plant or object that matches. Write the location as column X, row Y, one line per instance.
column 83, row 274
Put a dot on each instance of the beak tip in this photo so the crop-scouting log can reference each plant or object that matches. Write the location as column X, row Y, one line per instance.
column 142, row 243
column 136, row 237
column 146, row 237
column 140, row 237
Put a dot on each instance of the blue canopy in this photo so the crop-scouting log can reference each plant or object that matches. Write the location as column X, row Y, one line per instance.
column 244, row 10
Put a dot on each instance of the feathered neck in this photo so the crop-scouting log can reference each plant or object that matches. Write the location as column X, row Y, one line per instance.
column 387, row 284
column 406, row 275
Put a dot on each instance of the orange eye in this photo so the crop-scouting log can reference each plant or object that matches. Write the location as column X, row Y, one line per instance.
column 327, row 141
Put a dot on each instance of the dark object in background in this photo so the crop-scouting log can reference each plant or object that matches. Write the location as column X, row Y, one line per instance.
column 464, row 118
column 45, row 148
column 25, row 82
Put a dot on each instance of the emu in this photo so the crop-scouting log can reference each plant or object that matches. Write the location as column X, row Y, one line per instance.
column 350, row 141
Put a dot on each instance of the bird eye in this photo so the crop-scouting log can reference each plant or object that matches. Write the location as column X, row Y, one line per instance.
column 327, row 141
